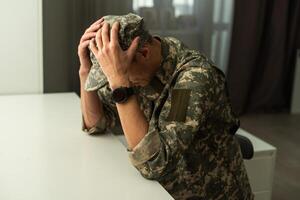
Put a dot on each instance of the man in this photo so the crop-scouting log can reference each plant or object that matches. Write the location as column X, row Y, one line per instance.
column 172, row 104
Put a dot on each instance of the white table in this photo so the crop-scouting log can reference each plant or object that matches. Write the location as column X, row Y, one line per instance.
column 44, row 155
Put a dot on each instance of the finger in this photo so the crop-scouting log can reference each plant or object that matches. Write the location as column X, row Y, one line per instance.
column 93, row 47
column 87, row 36
column 85, row 44
column 133, row 47
column 114, row 33
column 98, row 21
column 94, row 28
column 99, row 39
column 105, row 34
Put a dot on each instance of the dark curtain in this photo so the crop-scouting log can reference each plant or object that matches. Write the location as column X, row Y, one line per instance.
column 265, row 37
column 64, row 22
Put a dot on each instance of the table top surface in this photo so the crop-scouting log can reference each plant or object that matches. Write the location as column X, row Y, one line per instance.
column 45, row 155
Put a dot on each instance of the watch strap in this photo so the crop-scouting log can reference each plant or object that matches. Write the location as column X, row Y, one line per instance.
column 128, row 92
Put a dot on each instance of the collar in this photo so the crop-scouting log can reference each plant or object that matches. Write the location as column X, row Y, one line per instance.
column 166, row 68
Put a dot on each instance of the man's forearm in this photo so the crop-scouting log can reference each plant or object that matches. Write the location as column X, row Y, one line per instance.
column 91, row 106
column 133, row 121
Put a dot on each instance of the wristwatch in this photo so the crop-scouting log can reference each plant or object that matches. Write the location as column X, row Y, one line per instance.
column 121, row 94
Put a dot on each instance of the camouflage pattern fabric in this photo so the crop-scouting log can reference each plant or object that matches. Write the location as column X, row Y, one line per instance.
column 188, row 149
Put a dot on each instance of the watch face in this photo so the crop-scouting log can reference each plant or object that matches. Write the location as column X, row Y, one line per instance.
column 119, row 95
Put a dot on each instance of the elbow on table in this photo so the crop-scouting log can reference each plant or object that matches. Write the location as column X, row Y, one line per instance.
column 98, row 128
column 151, row 173
column 156, row 167
column 152, row 157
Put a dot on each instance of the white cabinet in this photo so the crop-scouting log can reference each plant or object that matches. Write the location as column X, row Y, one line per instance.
column 260, row 168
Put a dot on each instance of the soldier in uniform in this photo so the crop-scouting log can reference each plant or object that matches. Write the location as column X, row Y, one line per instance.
column 172, row 104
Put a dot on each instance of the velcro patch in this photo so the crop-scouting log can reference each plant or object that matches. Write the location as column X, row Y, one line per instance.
column 179, row 103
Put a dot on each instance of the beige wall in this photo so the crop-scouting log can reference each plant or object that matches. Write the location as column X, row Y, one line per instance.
column 21, row 47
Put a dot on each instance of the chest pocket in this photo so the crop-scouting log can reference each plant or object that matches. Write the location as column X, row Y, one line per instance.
column 179, row 104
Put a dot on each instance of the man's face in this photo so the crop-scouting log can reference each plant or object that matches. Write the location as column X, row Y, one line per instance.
column 138, row 62
column 141, row 64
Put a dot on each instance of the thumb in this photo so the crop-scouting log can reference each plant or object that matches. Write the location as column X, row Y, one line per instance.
column 133, row 47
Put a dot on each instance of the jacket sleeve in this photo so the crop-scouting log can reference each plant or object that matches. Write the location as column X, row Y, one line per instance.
column 99, row 128
column 165, row 142
column 97, row 81
column 109, row 120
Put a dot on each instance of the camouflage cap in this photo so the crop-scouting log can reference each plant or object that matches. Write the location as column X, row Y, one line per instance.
column 131, row 25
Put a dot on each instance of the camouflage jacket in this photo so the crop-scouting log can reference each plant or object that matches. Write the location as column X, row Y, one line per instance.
column 188, row 148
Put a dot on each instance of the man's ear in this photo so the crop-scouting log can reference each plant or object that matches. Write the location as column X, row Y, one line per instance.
column 144, row 52
column 142, row 55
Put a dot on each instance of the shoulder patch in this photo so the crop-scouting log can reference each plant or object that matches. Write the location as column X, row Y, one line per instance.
column 179, row 103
